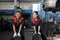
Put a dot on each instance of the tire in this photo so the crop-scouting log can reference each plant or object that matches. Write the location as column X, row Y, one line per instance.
column 16, row 38
column 36, row 37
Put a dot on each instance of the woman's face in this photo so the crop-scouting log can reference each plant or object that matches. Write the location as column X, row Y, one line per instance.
column 35, row 15
column 18, row 15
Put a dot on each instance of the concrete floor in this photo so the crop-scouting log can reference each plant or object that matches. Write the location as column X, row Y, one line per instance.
column 6, row 35
column 57, row 37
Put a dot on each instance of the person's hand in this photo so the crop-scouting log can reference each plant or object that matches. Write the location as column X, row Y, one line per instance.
column 14, row 35
column 19, row 34
column 34, row 32
column 39, row 33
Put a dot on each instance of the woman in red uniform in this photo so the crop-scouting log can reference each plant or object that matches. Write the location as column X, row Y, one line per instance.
column 36, row 21
column 18, row 25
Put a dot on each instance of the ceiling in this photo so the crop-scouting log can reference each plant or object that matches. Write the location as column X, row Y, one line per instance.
column 23, row 0
column 20, row 0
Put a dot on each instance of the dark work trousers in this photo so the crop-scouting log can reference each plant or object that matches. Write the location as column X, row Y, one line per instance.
column 43, row 35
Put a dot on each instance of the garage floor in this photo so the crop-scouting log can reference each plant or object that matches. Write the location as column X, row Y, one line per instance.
column 57, row 37
column 6, row 35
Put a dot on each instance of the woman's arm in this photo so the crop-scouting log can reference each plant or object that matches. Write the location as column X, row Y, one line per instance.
column 38, row 28
column 20, row 28
column 14, row 29
column 34, row 29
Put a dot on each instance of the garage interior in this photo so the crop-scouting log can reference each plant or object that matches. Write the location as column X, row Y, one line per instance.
column 49, row 10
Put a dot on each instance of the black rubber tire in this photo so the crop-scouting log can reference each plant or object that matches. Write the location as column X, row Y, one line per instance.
column 16, row 38
column 36, row 37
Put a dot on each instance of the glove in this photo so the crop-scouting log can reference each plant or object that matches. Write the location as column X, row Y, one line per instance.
column 39, row 33
column 19, row 34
